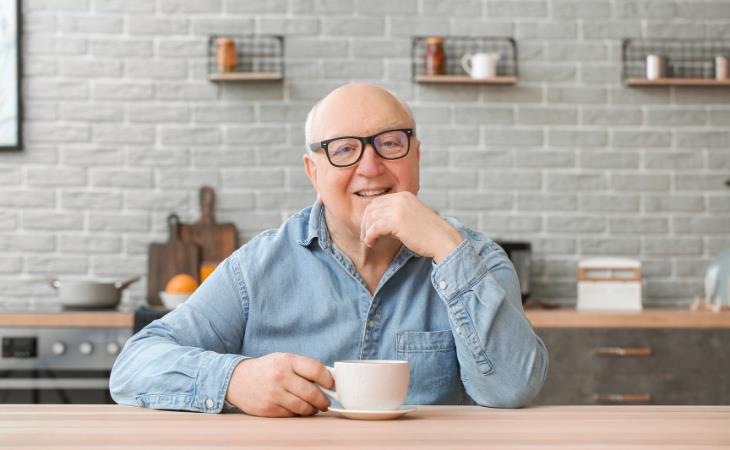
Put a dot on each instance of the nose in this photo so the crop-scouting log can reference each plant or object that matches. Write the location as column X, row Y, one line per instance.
column 370, row 164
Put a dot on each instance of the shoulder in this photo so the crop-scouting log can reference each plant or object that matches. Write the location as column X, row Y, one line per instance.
column 288, row 236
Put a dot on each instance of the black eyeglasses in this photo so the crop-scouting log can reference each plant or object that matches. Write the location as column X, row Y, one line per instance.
column 347, row 150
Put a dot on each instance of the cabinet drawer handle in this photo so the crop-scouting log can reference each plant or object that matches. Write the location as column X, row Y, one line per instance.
column 623, row 398
column 623, row 351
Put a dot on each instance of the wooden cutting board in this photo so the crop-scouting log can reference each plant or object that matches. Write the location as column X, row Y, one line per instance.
column 171, row 258
column 216, row 240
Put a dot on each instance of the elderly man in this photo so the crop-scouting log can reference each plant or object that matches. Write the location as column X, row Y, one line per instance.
column 367, row 272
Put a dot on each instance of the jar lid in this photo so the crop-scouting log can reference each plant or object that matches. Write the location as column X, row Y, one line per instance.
column 434, row 40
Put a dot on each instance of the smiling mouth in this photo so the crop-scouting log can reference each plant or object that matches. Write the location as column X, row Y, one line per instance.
column 369, row 193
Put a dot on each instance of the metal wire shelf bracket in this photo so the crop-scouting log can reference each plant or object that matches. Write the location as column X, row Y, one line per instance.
column 455, row 47
column 259, row 58
column 689, row 62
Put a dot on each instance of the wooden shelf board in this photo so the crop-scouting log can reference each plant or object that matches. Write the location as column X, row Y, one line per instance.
column 246, row 76
column 648, row 318
column 676, row 82
column 75, row 319
column 463, row 79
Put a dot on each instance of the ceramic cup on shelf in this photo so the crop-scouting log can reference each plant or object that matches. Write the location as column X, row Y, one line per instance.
column 656, row 67
column 374, row 385
column 480, row 66
column 721, row 68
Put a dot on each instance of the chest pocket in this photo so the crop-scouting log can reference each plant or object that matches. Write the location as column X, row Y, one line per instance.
column 434, row 368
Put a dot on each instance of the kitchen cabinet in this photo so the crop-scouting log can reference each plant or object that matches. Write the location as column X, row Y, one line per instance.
column 634, row 361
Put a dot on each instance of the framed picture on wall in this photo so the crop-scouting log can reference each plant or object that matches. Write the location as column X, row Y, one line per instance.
column 10, row 117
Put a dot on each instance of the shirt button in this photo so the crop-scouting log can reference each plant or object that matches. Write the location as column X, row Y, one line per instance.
column 209, row 403
column 371, row 324
column 442, row 284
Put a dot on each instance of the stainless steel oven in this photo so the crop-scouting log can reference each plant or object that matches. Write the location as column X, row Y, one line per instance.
column 58, row 365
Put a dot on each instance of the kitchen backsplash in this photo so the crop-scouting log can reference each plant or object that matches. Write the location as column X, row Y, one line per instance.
column 122, row 126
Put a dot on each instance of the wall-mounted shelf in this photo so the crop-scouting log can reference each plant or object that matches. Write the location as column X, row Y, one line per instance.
column 455, row 47
column 689, row 62
column 244, row 76
column 463, row 79
column 676, row 82
column 258, row 58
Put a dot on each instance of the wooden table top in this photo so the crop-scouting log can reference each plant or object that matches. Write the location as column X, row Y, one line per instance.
column 438, row 427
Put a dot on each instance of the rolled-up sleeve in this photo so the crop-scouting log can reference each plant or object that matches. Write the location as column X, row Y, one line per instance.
column 502, row 361
column 184, row 361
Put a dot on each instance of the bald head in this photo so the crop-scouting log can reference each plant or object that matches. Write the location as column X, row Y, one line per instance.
column 355, row 107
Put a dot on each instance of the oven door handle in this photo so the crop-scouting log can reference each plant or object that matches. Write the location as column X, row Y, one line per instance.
column 54, row 383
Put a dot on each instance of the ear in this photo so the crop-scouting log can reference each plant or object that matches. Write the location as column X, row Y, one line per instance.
column 310, row 167
column 418, row 149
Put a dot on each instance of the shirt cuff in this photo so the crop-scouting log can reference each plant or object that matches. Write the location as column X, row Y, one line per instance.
column 212, row 381
column 459, row 271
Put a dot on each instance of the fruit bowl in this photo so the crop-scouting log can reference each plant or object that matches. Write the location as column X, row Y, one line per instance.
column 172, row 301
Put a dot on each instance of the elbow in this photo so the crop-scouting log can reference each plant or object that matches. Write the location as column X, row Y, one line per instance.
column 124, row 385
column 507, row 399
column 518, row 389
column 119, row 387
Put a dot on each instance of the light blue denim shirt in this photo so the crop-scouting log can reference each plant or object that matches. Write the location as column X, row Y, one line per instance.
column 460, row 323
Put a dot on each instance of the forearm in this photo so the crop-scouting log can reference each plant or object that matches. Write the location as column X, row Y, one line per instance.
column 185, row 359
column 156, row 372
column 502, row 362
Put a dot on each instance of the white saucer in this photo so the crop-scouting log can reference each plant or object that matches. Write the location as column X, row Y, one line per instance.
column 363, row 414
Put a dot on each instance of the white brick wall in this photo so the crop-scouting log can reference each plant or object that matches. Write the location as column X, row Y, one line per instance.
column 122, row 126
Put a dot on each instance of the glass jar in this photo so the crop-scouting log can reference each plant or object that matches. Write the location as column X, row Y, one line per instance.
column 226, row 55
column 435, row 59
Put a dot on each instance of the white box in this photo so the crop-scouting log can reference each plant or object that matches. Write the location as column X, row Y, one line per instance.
column 609, row 284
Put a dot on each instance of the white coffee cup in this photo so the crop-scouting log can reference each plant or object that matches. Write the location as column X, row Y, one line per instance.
column 373, row 385
column 480, row 65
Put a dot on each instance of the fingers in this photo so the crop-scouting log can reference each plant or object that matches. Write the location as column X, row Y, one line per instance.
column 312, row 370
column 307, row 391
column 295, row 404
column 375, row 230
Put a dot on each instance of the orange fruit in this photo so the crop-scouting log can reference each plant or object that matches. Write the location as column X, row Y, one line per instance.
column 205, row 270
column 181, row 283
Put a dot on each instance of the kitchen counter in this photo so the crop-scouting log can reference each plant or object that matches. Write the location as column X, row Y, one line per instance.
column 540, row 318
column 68, row 319
column 439, row 427
column 648, row 318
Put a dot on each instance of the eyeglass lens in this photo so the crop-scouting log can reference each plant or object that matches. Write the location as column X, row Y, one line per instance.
column 389, row 145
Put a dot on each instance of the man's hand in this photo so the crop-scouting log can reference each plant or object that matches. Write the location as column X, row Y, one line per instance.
column 279, row 385
column 403, row 216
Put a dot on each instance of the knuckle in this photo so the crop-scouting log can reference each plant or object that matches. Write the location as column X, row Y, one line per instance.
column 278, row 375
column 270, row 392
column 304, row 409
column 311, row 396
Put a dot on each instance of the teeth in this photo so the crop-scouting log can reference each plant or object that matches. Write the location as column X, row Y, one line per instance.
column 372, row 193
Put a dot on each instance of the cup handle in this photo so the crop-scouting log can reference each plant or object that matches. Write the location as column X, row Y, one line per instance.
column 332, row 394
column 466, row 62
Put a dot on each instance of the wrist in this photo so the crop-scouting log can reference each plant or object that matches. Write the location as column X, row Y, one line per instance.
column 451, row 239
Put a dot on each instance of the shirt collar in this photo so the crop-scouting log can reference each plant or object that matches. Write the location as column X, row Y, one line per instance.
column 317, row 227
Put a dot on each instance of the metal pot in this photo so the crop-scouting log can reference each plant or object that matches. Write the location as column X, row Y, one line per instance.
column 90, row 294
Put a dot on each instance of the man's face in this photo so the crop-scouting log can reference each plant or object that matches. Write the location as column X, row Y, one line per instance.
column 359, row 110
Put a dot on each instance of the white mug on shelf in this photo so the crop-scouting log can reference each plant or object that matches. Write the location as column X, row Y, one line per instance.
column 480, row 65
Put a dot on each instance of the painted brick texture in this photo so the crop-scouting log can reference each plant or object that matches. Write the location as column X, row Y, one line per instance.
column 122, row 126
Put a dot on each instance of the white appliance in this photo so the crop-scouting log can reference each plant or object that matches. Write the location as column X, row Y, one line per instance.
column 609, row 284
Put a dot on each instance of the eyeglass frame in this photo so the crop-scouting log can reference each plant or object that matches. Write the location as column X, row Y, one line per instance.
column 364, row 141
